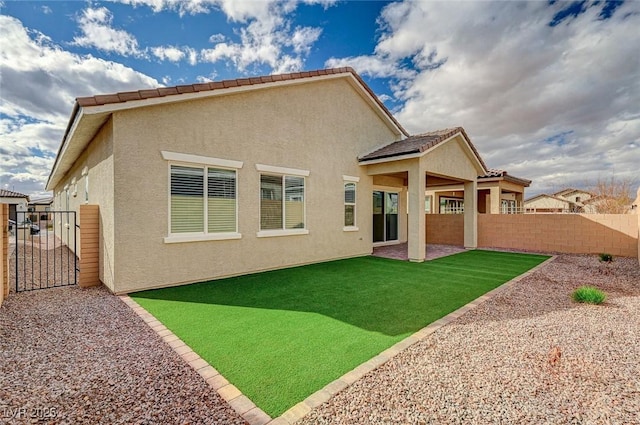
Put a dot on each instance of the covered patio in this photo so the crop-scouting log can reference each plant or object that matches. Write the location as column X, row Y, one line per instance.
column 399, row 251
column 402, row 172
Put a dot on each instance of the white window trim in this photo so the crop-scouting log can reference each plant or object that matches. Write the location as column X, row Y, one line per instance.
column 200, row 237
column 174, row 158
column 85, row 175
column 281, row 232
column 282, row 170
column 201, row 160
column 356, row 180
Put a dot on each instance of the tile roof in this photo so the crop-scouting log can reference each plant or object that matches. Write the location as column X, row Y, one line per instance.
column 494, row 173
column 418, row 144
column 121, row 97
column 4, row 193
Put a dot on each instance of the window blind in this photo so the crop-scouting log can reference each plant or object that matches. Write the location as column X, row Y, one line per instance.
column 270, row 202
column 187, row 199
column 294, row 205
column 349, row 204
column 221, row 200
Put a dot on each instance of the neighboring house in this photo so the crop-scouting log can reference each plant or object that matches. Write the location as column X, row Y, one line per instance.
column 17, row 202
column 218, row 179
column 565, row 201
column 39, row 209
column 498, row 193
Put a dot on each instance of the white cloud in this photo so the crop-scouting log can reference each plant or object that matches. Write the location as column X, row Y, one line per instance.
column 95, row 24
column 514, row 82
column 36, row 113
column 170, row 53
column 374, row 66
column 265, row 33
column 206, row 79
column 217, row 38
column 303, row 37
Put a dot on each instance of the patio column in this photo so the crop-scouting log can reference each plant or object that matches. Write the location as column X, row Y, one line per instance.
column 494, row 197
column 471, row 214
column 416, row 223
column 519, row 203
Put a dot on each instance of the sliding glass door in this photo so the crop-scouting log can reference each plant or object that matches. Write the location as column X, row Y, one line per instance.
column 385, row 216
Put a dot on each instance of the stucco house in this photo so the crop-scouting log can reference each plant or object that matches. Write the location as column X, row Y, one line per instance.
column 498, row 193
column 204, row 181
column 564, row 201
column 17, row 202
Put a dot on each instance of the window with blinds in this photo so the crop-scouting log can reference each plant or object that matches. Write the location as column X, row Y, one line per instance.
column 349, row 204
column 281, row 202
column 189, row 191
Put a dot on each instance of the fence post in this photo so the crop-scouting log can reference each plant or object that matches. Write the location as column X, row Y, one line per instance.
column 89, row 246
column 637, row 204
column 4, row 252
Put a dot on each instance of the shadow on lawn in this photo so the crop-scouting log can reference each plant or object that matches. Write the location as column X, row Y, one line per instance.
column 380, row 295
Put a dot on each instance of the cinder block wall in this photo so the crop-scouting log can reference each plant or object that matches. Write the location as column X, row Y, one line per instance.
column 89, row 245
column 616, row 234
column 445, row 229
column 4, row 252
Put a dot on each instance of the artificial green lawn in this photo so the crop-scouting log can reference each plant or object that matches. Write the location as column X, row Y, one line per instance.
column 280, row 336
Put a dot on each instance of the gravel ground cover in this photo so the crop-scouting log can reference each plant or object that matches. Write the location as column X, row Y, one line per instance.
column 73, row 356
column 528, row 356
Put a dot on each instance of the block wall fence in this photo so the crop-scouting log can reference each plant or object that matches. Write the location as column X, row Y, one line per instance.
column 445, row 229
column 616, row 234
column 4, row 251
column 89, row 246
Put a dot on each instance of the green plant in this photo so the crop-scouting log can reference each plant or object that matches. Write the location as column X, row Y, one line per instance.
column 607, row 258
column 589, row 295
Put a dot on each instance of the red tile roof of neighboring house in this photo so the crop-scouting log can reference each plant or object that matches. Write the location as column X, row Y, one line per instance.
column 419, row 143
column 121, row 97
column 494, row 173
column 4, row 193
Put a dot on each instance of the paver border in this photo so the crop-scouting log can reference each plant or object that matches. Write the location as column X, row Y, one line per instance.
column 251, row 413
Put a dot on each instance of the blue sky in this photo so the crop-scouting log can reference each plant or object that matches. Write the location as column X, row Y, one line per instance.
column 549, row 91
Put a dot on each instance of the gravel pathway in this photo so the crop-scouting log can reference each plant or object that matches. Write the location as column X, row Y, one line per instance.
column 528, row 356
column 73, row 356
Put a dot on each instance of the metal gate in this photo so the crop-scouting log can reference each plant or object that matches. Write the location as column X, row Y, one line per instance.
column 43, row 250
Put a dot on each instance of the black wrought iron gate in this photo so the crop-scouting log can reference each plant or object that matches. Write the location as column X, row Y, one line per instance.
column 43, row 254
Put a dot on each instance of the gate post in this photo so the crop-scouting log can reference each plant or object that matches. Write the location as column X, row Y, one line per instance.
column 89, row 246
column 4, row 252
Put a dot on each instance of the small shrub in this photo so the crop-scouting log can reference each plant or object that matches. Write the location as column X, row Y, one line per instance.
column 589, row 295
column 606, row 258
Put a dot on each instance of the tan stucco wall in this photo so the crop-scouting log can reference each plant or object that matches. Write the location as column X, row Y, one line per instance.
column 546, row 202
column 615, row 234
column 451, row 159
column 4, row 252
column 445, row 229
column 98, row 161
column 321, row 127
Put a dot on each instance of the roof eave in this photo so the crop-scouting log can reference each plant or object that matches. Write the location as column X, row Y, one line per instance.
column 390, row 158
column 76, row 114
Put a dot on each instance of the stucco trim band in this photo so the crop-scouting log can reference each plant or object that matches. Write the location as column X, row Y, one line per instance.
column 282, row 170
column 201, row 160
